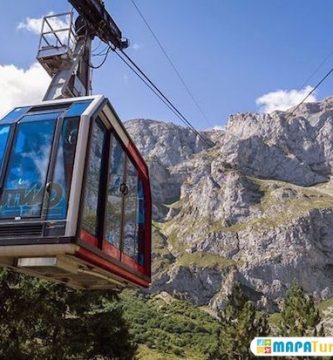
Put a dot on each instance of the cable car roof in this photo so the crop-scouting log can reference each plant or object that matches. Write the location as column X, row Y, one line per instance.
column 79, row 106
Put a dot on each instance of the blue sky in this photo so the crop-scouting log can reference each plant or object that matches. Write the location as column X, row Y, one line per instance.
column 230, row 53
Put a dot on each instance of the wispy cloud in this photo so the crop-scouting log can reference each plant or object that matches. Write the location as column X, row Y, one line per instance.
column 21, row 87
column 284, row 99
column 136, row 46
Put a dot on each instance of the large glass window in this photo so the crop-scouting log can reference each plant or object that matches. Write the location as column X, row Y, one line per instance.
column 92, row 192
column 4, row 132
column 130, row 212
column 115, row 196
column 62, row 178
column 125, row 205
column 140, row 222
column 24, row 185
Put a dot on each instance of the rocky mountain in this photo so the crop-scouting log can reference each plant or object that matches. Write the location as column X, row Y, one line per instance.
column 257, row 207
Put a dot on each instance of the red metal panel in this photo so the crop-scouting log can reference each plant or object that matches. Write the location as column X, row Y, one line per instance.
column 132, row 264
column 115, row 253
column 111, row 250
column 88, row 238
column 92, row 258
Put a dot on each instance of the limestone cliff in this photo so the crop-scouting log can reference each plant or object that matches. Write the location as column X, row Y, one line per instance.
column 257, row 207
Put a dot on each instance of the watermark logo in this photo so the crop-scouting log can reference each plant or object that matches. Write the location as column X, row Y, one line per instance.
column 292, row 346
column 264, row 346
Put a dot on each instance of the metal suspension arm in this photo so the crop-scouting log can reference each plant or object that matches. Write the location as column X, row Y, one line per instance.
column 64, row 83
column 100, row 22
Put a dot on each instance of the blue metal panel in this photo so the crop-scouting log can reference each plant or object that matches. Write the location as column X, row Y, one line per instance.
column 78, row 108
column 14, row 115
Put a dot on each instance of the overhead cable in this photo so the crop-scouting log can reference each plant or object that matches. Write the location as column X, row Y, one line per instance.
column 317, row 68
column 130, row 63
column 312, row 91
column 180, row 77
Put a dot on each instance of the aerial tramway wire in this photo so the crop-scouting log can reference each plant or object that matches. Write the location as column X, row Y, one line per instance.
column 313, row 90
column 317, row 68
column 172, row 64
column 148, row 82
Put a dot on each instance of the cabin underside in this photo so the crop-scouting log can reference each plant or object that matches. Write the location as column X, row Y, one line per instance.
column 59, row 263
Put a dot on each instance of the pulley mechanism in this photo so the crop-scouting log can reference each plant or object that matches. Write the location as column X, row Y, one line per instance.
column 99, row 22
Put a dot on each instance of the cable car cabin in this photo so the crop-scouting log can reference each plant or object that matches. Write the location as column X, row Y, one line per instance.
column 75, row 203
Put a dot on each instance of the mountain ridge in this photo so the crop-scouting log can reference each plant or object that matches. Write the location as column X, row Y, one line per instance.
column 255, row 208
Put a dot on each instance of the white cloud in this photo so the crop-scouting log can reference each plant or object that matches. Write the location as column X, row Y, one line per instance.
column 218, row 127
column 215, row 127
column 284, row 99
column 21, row 87
column 34, row 25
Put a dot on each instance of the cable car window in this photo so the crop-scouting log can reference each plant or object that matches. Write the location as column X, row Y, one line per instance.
column 130, row 237
column 4, row 132
column 60, row 187
column 141, row 222
column 125, row 213
column 91, row 199
column 115, row 196
column 27, row 171
column 77, row 108
column 39, row 117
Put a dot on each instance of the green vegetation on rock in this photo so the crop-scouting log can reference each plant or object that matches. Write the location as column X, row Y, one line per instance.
column 173, row 328
column 325, row 305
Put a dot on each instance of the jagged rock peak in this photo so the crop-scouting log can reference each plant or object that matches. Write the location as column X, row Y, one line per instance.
column 168, row 142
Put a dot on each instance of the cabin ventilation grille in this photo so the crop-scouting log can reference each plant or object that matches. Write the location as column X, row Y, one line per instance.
column 21, row 230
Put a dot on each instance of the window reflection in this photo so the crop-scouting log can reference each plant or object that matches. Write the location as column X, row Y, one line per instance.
column 114, row 196
column 125, row 214
column 59, row 192
column 4, row 132
column 130, row 213
column 28, row 165
column 91, row 199
column 140, row 222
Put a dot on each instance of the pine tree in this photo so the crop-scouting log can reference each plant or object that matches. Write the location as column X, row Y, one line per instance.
column 42, row 320
column 239, row 326
column 299, row 317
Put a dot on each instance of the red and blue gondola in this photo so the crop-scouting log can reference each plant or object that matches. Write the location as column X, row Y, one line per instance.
column 75, row 201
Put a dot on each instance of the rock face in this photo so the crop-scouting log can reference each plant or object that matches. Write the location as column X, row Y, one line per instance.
column 257, row 207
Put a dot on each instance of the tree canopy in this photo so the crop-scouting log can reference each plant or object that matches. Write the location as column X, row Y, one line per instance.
column 47, row 321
